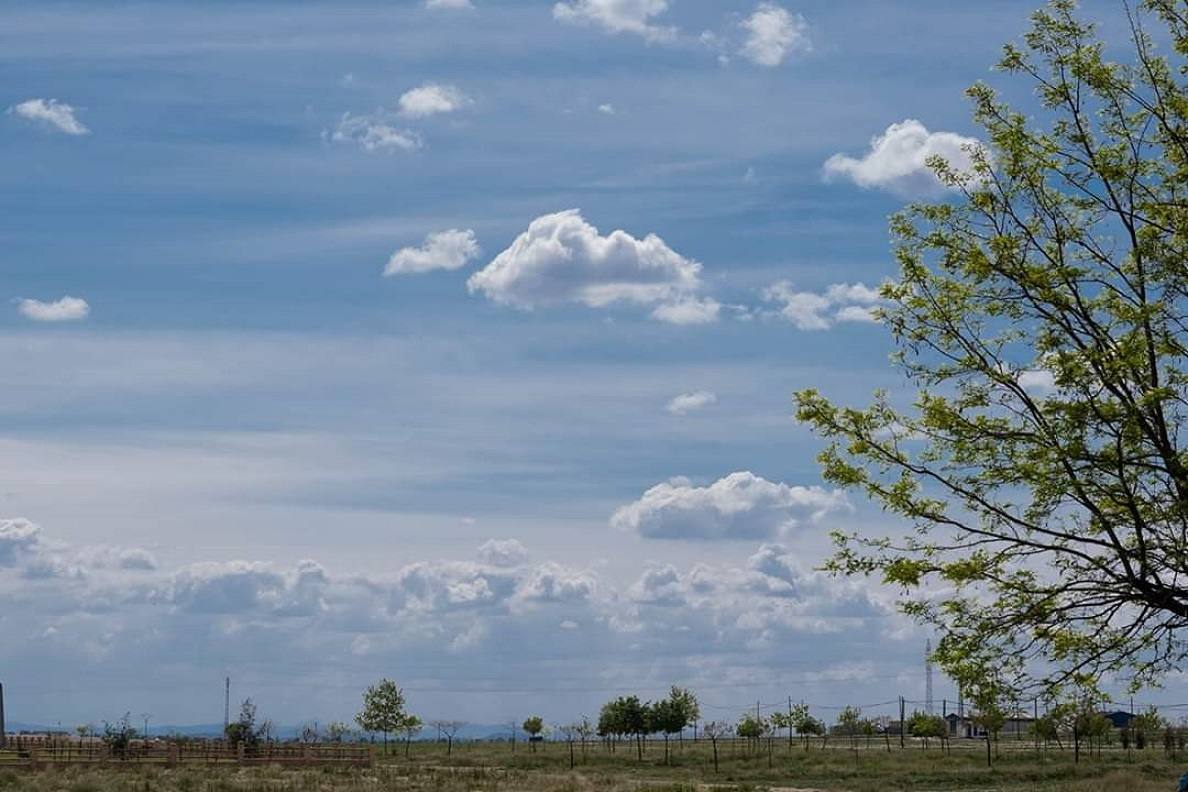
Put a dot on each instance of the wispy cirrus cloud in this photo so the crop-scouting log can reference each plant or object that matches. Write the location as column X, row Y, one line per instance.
column 773, row 33
column 618, row 16
column 685, row 403
column 374, row 133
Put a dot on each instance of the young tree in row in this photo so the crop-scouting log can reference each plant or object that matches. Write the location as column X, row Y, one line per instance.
column 534, row 727
column 805, row 724
column 1042, row 315
column 410, row 728
column 714, row 731
column 383, row 709
column 926, row 726
column 752, row 729
column 449, row 730
column 685, row 701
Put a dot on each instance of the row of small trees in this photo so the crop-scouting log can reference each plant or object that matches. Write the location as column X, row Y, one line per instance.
column 627, row 716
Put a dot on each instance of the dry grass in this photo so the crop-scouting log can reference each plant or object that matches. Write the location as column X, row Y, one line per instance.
column 493, row 768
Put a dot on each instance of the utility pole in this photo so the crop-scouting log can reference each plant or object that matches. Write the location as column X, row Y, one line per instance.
column 146, row 716
column 3, row 738
column 789, row 723
column 226, row 705
column 902, row 725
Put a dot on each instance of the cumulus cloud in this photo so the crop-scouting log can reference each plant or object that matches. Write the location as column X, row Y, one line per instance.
column 738, row 506
column 448, row 4
column 502, row 552
column 432, row 99
column 18, row 538
column 448, row 619
column 898, row 159
column 443, row 250
column 617, row 16
column 689, row 311
column 551, row 582
column 841, row 302
column 374, row 133
column 1037, row 380
column 774, row 33
column 66, row 309
column 52, row 114
column 563, row 259
column 660, row 584
column 606, row 108
column 686, row 403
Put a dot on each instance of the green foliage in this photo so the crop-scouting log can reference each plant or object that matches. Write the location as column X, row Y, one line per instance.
column 244, row 731
column 383, row 709
column 534, row 725
column 926, row 726
column 119, row 736
column 751, row 727
column 804, row 723
column 686, row 703
column 1041, row 314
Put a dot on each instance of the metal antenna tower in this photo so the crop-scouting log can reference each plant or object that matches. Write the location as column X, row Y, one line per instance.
column 928, row 676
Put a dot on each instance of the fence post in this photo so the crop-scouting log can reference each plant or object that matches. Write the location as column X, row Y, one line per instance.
column 240, row 753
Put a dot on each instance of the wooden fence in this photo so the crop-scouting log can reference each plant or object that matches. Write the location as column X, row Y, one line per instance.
column 36, row 752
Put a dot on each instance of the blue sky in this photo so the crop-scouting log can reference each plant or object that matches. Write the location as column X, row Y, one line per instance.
column 242, row 388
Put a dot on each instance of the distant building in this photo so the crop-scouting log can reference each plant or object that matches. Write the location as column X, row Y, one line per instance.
column 1014, row 726
column 1120, row 718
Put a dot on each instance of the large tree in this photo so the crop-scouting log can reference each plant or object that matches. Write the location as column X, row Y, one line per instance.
column 1040, row 315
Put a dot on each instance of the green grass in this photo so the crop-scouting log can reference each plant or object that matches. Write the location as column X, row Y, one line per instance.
column 493, row 768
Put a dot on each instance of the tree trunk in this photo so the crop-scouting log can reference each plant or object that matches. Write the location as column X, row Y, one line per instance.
column 715, row 743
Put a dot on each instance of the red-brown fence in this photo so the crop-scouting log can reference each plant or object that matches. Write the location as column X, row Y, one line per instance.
column 35, row 751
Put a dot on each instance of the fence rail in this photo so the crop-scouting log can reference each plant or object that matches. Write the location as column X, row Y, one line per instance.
column 35, row 752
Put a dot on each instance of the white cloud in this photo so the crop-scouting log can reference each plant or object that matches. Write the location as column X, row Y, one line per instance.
column 373, row 133
column 774, row 33
column 51, row 113
column 443, row 250
column 738, row 506
column 18, row 537
column 67, row 309
column 432, row 99
column 448, row 4
column 897, row 160
column 606, row 109
column 443, row 621
column 688, row 311
column 563, row 259
column 841, row 302
column 1038, row 380
column 502, row 552
column 617, row 16
column 688, row 402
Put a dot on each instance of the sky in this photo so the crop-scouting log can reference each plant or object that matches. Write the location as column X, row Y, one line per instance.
column 453, row 342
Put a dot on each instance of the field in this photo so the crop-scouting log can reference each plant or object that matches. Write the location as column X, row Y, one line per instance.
column 492, row 767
